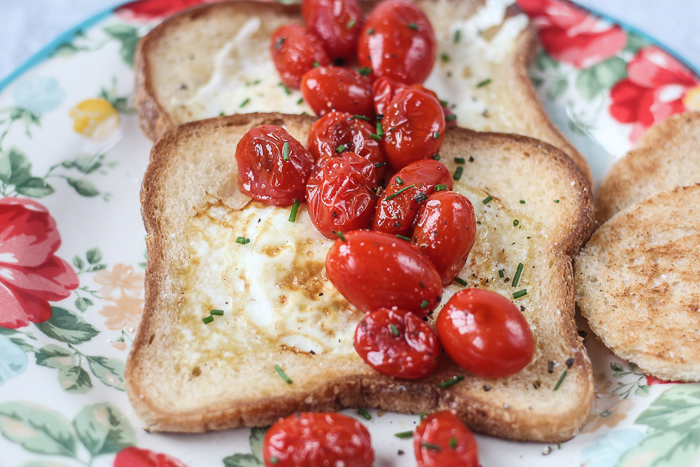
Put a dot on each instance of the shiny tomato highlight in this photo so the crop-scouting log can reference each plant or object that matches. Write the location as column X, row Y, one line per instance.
column 485, row 333
column 312, row 439
column 443, row 440
column 263, row 172
column 331, row 88
column 295, row 51
column 384, row 89
column 397, row 343
column 374, row 270
column 337, row 23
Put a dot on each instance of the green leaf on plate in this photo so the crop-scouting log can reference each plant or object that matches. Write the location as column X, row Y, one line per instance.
column 66, row 326
column 44, row 464
column 37, row 429
column 86, row 163
column 677, row 409
column 128, row 36
column 109, row 370
column 242, row 460
column 35, row 187
column 103, row 429
column 15, row 168
column 54, row 356
column 558, row 88
column 94, row 255
column 83, row 187
column 23, row 344
column 78, row 262
column 636, row 42
column 8, row 331
column 600, row 77
column 257, row 435
column 75, row 380
column 543, row 61
column 663, row 449
column 82, row 303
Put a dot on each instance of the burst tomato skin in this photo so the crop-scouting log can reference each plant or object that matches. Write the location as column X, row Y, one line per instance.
column 409, row 350
column 398, row 42
column 312, row 439
column 337, row 23
column 294, row 51
column 442, row 439
column 337, row 129
column 332, row 88
column 485, row 333
column 374, row 270
column 384, row 89
column 396, row 213
column 341, row 194
column 414, row 127
column 263, row 174
column 445, row 231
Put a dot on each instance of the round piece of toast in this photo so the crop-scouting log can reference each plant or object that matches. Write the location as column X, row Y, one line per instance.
column 636, row 283
column 667, row 156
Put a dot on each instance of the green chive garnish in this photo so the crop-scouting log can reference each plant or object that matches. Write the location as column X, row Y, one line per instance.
column 379, row 164
column 421, row 284
column 413, row 26
column 440, row 187
column 340, row 235
column 453, row 443
column 295, row 208
column 282, row 374
column 207, row 319
column 399, row 181
column 518, row 272
column 364, row 71
column 316, row 64
column 436, row 157
column 245, row 102
column 444, row 103
column 459, row 160
column 361, row 117
column 522, row 201
column 375, row 137
column 424, row 304
column 341, row 148
column 516, row 222
column 370, row 31
column 450, row 382
column 483, row 83
column 404, row 434
column 561, row 379
column 273, row 460
column 520, row 293
column 279, row 43
column 394, row 195
column 408, row 239
column 445, row 57
column 394, row 330
column 242, row 240
column 556, row 200
column 421, row 416
column 285, row 151
column 216, row 312
column 300, row 101
column 461, row 282
column 364, row 414
column 458, row 34
column 286, row 89
column 380, row 129
column 351, row 24
column 501, row 273
column 222, row 114
column 458, row 173
column 431, row 446
column 487, row 200
column 451, row 117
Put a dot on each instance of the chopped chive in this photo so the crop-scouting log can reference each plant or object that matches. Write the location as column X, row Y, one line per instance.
column 516, row 222
column 300, row 101
column 216, row 312
column 424, row 304
column 316, row 64
column 483, row 83
column 380, row 164
column 450, row 118
column 436, row 135
column 445, row 58
column 556, row 200
column 341, row 148
column 436, row 157
column 279, row 43
column 394, row 195
column 458, row 173
column 394, row 330
column 207, row 319
column 487, row 200
column 444, row 103
column 461, row 282
column 561, row 379
column 375, row 137
column 404, row 434
column 364, row 71
column 222, row 114
column 340, row 235
column 282, row 374
column 245, row 102
column 413, row 26
column 501, row 273
column 421, row 416
column 440, row 187
column 518, row 272
column 522, row 201
column 450, row 382
column 351, row 24
column 431, row 446
column 242, row 240
column 286, row 89
column 408, row 239
column 295, row 208
column 361, row 117
column 364, row 414
column 370, row 31
column 459, row 160
column 520, row 293
column 458, row 34
column 273, row 460
column 558, row 445
column 453, row 443
column 421, row 284
column 285, row 151
column 380, row 129
column 399, row 181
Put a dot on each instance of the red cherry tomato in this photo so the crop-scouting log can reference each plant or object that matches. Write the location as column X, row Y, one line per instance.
column 331, row 88
column 337, row 23
column 485, row 333
column 445, row 232
column 397, row 343
column 263, row 172
column 383, row 91
column 374, row 270
column 406, row 192
column 337, row 132
column 443, row 440
column 414, row 127
column 340, row 194
column 317, row 440
column 295, row 51
column 398, row 42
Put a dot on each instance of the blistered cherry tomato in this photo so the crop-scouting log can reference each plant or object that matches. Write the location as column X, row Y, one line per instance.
column 414, row 127
column 443, row 440
column 337, row 23
column 398, row 42
column 341, row 194
column 406, row 192
column 374, row 270
column 445, row 232
column 295, row 51
column 332, row 88
column 263, row 172
column 485, row 333
column 383, row 91
column 338, row 132
column 317, row 440
column 397, row 343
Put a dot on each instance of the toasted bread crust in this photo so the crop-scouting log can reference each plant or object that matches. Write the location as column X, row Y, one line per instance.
column 519, row 407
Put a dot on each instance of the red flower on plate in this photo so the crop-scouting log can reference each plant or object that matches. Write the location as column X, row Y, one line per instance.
column 657, row 86
column 31, row 275
column 572, row 35
column 135, row 457
column 149, row 10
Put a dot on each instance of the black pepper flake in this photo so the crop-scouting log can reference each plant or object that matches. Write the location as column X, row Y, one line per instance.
column 487, row 388
column 582, row 333
column 321, row 294
column 312, row 352
column 522, row 308
column 550, row 366
column 420, row 197
column 400, row 452
column 397, row 224
column 569, row 362
column 471, row 159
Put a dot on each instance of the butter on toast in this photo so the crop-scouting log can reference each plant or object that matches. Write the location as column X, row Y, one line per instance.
column 280, row 309
column 667, row 156
column 214, row 59
column 636, row 283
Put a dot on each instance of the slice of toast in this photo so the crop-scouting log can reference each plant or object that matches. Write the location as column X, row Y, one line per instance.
column 214, row 59
column 280, row 309
column 636, row 283
column 667, row 156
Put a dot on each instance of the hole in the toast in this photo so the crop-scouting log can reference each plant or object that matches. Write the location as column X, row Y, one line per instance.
column 196, row 371
column 150, row 340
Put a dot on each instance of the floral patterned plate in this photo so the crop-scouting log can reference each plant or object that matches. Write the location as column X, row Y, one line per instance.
column 72, row 252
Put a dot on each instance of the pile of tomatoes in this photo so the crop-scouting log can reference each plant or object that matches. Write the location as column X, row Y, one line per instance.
column 398, row 242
